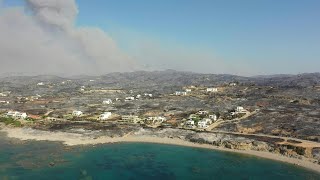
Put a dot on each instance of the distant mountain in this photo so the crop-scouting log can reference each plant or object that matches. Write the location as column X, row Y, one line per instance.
column 171, row 78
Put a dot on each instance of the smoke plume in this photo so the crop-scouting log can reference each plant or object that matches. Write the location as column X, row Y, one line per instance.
column 42, row 38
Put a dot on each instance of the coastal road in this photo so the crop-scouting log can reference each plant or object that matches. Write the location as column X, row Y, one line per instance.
column 304, row 143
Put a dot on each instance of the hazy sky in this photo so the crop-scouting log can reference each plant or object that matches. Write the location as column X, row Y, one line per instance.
column 244, row 37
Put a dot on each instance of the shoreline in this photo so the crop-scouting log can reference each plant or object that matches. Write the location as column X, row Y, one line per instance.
column 74, row 139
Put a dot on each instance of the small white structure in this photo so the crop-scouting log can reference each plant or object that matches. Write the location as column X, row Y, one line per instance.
column 105, row 116
column 190, row 123
column 40, row 84
column 107, row 101
column 212, row 89
column 129, row 98
column 138, row 96
column 131, row 118
column 188, row 90
column 233, row 84
column 213, row 117
column 204, row 123
column 158, row 119
column 5, row 94
column 180, row 93
column 202, row 112
column 240, row 109
column 17, row 115
column 4, row 102
column 77, row 113
column 148, row 95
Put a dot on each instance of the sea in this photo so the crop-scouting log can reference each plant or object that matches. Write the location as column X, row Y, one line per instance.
column 37, row 160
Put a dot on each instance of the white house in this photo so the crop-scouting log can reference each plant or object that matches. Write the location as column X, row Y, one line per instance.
column 233, row 84
column 158, row 119
column 77, row 113
column 213, row 117
column 40, row 84
column 107, row 101
column 204, row 123
column 147, row 95
column 105, row 116
column 212, row 89
column 129, row 99
column 17, row 115
column 190, row 123
column 4, row 102
column 180, row 93
column 138, row 96
column 240, row 109
column 188, row 90
column 202, row 112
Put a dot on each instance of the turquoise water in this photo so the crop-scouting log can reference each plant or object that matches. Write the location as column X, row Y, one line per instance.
column 47, row 160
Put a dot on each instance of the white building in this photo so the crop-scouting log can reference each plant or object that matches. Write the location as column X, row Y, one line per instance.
column 40, row 84
column 158, row 119
column 180, row 93
column 17, row 115
column 190, row 123
column 129, row 99
column 105, row 116
column 77, row 113
column 212, row 89
column 203, row 112
column 233, row 84
column 240, row 109
column 148, row 95
column 204, row 123
column 107, row 101
column 138, row 96
column 188, row 90
column 131, row 118
column 213, row 117
column 4, row 102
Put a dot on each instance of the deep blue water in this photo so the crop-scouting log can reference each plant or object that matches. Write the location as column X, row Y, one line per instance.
column 31, row 160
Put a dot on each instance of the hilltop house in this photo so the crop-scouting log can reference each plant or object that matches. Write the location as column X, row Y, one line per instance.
column 212, row 89
column 77, row 113
column 17, row 115
column 188, row 90
column 105, row 116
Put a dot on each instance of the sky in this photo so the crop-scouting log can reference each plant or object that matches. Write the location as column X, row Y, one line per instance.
column 247, row 37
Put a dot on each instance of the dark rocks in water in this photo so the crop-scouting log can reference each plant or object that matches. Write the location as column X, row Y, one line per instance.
column 52, row 164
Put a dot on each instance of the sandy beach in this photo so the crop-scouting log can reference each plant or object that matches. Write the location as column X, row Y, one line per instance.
column 73, row 139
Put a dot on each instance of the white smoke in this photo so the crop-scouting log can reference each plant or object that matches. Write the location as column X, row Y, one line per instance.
column 47, row 41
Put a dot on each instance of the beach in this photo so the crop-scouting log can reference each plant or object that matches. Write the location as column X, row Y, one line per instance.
column 74, row 139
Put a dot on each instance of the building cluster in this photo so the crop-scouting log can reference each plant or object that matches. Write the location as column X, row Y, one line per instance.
column 17, row 115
